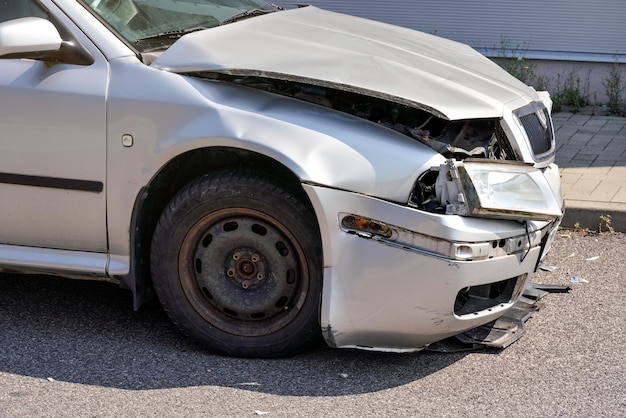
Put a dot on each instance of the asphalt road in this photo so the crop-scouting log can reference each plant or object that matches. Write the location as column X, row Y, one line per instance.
column 73, row 348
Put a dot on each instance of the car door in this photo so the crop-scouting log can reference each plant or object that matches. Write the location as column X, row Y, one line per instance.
column 52, row 145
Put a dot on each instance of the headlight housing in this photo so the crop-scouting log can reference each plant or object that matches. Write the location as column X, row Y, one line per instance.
column 496, row 189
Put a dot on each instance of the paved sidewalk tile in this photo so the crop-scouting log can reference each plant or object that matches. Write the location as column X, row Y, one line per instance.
column 591, row 154
column 620, row 196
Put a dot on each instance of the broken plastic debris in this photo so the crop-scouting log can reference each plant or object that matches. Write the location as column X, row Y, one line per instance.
column 261, row 412
column 571, row 255
column 49, row 379
column 592, row 258
column 547, row 268
column 549, row 288
column 578, row 279
column 344, row 375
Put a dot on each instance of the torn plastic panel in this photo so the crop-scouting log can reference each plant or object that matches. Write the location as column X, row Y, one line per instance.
column 474, row 299
column 505, row 330
column 486, row 188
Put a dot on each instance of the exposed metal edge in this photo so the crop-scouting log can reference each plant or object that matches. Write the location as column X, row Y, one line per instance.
column 313, row 82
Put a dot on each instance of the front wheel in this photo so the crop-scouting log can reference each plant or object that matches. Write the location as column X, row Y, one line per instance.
column 236, row 263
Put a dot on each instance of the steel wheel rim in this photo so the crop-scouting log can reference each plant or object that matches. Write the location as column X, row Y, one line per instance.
column 243, row 271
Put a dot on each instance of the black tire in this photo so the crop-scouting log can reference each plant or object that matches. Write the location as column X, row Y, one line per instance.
column 236, row 263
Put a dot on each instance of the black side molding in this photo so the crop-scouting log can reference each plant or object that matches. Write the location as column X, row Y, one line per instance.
column 52, row 182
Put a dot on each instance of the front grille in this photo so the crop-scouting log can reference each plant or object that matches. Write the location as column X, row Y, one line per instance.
column 537, row 123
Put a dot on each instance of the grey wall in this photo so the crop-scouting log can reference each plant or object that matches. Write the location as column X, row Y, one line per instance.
column 574, row 30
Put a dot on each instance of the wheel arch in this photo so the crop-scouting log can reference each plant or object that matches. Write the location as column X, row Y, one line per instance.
column 171, row 178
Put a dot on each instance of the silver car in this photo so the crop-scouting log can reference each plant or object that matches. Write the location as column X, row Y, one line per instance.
column 272, row 175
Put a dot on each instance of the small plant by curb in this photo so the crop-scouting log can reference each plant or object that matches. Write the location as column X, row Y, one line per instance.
column 605, row 222
column 604, row 227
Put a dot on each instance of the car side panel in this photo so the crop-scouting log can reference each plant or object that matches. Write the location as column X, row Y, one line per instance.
column 53, row 153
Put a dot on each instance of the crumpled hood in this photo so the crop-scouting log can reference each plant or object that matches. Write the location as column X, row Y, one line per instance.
column 329, row 49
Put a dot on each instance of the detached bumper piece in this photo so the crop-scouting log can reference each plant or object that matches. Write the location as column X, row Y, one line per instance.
column 505, row 330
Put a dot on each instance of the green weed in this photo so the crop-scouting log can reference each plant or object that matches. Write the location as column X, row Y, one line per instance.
column 572, row 91
column 614, row 86
column 605, row 223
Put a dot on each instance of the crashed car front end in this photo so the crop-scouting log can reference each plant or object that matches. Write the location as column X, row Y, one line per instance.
column 454, row 251
column 452, row 245
column 452, row 248
column 457, row 254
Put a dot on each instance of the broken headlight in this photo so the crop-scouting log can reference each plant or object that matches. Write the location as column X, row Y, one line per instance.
column 492, row 189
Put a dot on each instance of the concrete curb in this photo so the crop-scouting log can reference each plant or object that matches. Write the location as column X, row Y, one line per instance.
column 587, row 215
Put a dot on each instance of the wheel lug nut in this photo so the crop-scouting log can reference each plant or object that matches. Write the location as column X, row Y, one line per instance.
column 236, row 256
column 245, row 284
column 260, row 276
column 254, row 258
column 230, row 273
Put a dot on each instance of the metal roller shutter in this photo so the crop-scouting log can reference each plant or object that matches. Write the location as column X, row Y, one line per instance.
column 550, row 29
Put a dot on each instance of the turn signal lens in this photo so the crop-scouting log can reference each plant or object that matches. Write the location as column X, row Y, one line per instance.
column 365, row 225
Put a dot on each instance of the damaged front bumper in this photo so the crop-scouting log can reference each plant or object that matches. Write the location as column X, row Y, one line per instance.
column 398, row 279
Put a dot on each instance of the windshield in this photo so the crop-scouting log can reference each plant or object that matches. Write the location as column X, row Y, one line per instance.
column 156, row 24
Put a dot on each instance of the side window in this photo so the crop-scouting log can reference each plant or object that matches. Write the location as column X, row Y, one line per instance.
column 15, row 9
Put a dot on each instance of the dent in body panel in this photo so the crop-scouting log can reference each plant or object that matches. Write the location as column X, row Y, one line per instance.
column 311, row 141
